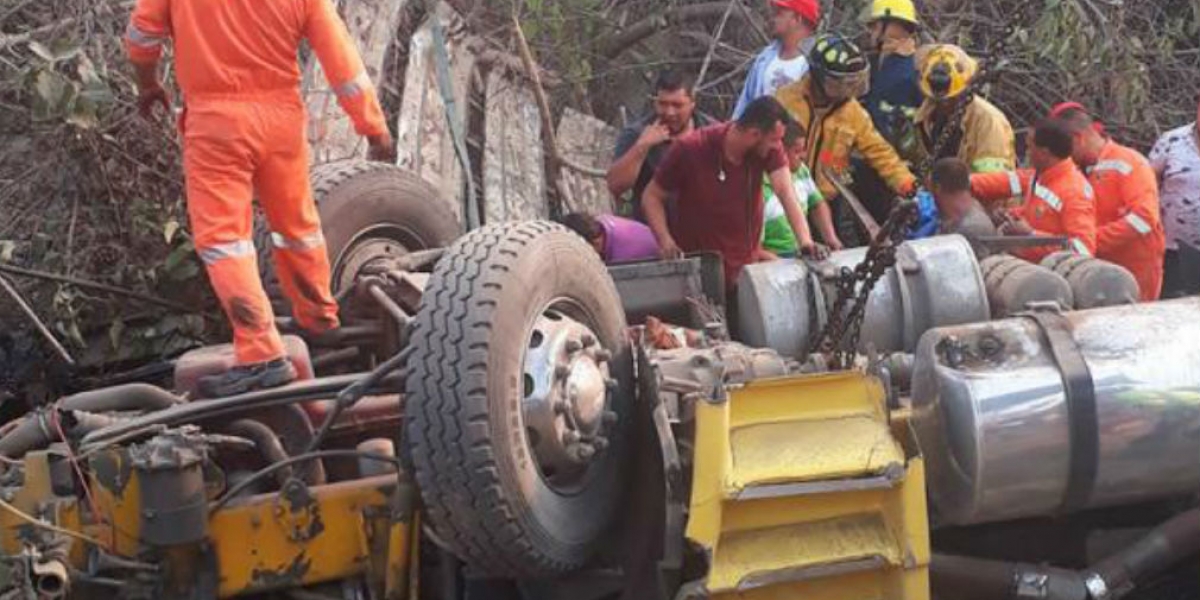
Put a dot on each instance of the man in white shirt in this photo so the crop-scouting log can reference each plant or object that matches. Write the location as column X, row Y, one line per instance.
column 784, row 61
column 1176, row 160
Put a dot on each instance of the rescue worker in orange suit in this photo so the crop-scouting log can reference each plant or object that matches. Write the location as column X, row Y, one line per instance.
column 1058, row 201
column 1129, row 229
column 243, row 127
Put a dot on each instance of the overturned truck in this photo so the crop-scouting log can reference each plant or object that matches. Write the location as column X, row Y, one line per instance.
column 488, row 425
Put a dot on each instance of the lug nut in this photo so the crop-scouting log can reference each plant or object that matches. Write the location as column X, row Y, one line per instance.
column 609, row 418
column 600, row 443
column 585, row 452
column 588, row 340
column 603, row 355
column 560, row 407
column 561, row 371
column 571, row 438
column 611, row 384
column 573, row 346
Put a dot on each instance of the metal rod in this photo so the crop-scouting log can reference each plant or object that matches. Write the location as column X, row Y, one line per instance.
column 354, row 392
column 393, row 310
column 418, row 259
column 864, row 216
column 1001, row 242
column 283, row 464
column 303, row 391
column 37, row 322
column 334, row 357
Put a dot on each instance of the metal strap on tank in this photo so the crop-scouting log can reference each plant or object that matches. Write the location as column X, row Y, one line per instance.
column 1080, row 392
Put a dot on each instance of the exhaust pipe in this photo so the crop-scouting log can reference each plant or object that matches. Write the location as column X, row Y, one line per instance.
column 50, row 579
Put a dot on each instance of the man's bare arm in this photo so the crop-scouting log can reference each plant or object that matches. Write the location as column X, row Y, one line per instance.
column 781, row 182
column 623, row 173
column 654, row 206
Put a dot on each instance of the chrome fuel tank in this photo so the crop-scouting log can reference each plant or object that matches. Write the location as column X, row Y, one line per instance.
column 992, row 416
column 936, row 282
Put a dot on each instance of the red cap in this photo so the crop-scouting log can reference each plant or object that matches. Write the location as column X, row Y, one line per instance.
column 810, row 10
column 1063, row 107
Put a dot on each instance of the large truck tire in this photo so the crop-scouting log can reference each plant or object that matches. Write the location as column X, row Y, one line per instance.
column 368, row 210
column 501, row 317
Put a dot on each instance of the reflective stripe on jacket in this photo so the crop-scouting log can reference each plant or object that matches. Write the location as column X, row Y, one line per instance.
column 1129, row 229
column 246, row 50
column 987, row 143
column 1058, row 201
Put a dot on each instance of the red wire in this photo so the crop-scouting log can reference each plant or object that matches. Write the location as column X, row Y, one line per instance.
column 87, row 490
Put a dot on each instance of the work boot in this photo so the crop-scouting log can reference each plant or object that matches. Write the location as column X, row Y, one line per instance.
column 247, row 378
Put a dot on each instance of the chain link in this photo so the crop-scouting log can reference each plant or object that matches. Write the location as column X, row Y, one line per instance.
column 843, row 328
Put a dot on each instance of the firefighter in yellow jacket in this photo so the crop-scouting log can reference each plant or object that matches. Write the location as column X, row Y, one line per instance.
column 983, row 138
column 825, row 104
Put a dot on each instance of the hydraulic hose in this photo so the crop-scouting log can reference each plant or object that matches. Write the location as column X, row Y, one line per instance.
column 1110, row 579
column 36, row 431
column 192, row 412
column 980, row 579
column 265, row 440
column 121, row 398
column 1160, row 549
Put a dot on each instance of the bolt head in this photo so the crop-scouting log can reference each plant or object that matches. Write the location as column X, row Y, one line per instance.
column 560, row 407
column 573, row 346
column 585, row 452
column 603, row 355
column 611, row 384
column 600, row 443
column 561, row 371
column 588, row 340
column 610, row 418
column 570, row 438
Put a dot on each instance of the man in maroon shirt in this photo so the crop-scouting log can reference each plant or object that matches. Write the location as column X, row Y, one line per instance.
column 717, row 173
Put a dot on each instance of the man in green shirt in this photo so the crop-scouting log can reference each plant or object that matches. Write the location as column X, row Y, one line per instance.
column 777, row 235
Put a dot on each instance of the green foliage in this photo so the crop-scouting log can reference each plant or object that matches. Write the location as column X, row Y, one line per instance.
column 65, row 86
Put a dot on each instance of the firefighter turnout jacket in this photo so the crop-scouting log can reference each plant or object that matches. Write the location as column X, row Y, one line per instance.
column 836, row 131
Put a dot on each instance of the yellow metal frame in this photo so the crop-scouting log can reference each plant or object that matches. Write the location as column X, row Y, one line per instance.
column 802, row 488
column 323, row 534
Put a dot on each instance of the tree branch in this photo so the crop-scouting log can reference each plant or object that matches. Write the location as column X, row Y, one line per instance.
column 612, row 46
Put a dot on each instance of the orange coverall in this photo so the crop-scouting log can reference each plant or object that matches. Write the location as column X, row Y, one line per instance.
column 1129, row 230
column 243, row 128
column 1058, row 201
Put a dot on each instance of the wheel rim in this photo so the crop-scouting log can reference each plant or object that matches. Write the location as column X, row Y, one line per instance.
column 566, row 399
column 373, row 245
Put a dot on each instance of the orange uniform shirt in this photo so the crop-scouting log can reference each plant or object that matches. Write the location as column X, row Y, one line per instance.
column 248, row 49
column 1058, row 201
column 1129, row 229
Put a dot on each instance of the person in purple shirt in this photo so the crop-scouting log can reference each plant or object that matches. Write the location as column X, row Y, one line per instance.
column 616, row 239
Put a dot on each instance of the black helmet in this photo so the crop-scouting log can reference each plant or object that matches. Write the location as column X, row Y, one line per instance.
column 835, row 56
column 839, row 67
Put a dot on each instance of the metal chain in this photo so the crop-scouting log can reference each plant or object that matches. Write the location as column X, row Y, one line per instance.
column 840, row 337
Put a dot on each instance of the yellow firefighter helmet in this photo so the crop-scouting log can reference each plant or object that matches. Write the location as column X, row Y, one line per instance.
column 900, row 10
column 946, row 71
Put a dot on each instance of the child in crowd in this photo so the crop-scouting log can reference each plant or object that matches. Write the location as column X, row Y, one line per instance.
column 777, row 236
column 616, row 239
